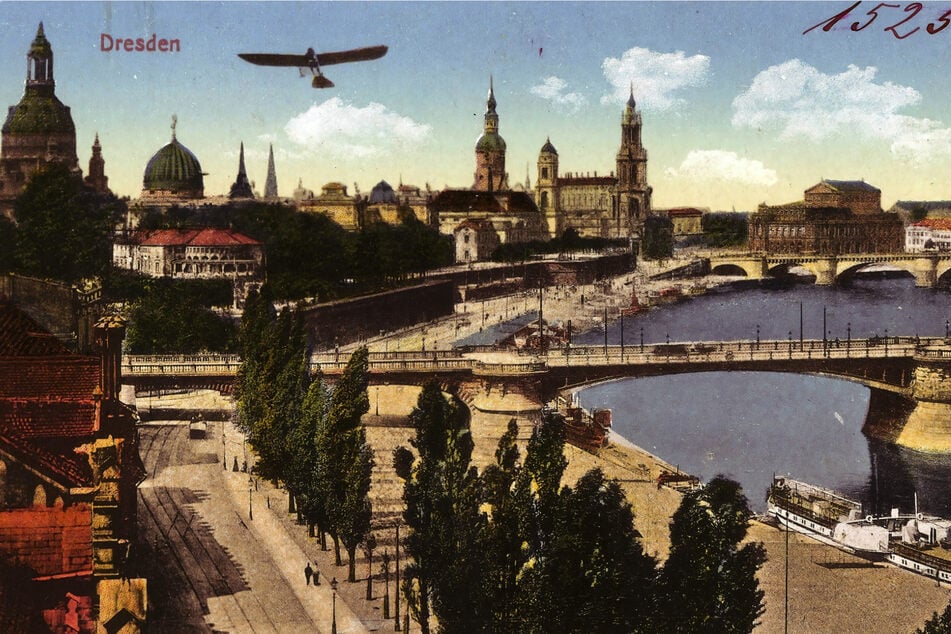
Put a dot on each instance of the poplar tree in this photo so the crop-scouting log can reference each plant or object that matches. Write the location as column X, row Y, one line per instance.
column 345, row 460
column 271, row 383
column 442, row 515
column 708, row 583
column 302, row 469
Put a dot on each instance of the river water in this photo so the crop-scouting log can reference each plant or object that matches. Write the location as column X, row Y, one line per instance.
column 750, row 425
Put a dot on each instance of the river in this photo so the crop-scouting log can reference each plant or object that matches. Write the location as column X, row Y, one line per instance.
column 750, row 425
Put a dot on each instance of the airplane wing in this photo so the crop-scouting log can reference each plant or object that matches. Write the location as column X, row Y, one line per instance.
column 355, row 55
column 273, row 59
column 323, row 59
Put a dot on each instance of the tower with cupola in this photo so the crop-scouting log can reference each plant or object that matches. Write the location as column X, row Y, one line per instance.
column 490, row 151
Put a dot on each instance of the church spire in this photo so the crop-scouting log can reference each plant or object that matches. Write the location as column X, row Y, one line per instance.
column 97, row 179
column 241, row 187
column 270, row 185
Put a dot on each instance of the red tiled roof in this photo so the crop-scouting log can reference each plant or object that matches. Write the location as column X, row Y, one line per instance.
column 934, row 223
column 21, row 335
column 71, row 377
column 58, row 460
column 50, row 419
column 205, row 237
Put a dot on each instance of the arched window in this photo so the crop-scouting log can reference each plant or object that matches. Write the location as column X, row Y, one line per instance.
column 544, row 200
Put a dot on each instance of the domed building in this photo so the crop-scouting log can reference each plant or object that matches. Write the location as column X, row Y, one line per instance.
column 39, row 130
column 173, row 174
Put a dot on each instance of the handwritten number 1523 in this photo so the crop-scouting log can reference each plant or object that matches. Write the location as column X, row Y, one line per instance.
column 897, row 28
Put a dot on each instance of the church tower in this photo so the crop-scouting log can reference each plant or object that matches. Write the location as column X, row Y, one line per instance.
column 546, row 188
column 97, row 179
column 241, row 188
column 634, row 194
column 39, row 130
column 270, row 185
column 490, row 152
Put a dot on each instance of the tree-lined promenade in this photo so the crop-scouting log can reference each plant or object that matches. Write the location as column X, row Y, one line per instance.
column 511, row 549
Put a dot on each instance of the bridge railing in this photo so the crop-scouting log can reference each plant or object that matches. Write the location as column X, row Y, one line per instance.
column 734, row 351
column 172, row 365
column 405, row 365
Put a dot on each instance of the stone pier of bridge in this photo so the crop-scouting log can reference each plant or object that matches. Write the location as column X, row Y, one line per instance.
column 928, row 427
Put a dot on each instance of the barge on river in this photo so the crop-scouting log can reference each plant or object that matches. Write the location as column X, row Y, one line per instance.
column 919, row 543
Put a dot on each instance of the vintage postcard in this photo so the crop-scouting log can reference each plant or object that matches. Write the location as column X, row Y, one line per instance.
column 475, row 317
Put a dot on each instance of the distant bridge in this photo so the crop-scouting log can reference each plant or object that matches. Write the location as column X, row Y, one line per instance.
column 927, row 268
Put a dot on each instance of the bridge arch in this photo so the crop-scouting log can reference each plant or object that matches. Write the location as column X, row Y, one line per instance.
column 846, row 269
column 783, row 269
column 729, row 269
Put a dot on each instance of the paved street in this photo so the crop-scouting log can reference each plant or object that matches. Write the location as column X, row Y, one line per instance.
column 211, row 568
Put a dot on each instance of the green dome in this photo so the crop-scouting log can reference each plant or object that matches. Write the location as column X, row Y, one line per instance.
column 39, row 112
column 174, row 168
column 490, row 142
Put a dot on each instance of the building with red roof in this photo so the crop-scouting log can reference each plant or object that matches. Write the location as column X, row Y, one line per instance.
column 69, row 467
column 930, row 234
column 200, row 253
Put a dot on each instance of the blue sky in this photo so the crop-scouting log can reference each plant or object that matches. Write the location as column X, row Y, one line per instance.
column 739, row 106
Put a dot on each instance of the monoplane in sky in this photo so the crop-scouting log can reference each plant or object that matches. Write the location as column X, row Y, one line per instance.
column 313, row 61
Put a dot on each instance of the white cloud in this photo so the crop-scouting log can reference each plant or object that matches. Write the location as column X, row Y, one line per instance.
column 720, row 165
column 342, row 130
column 656, row 76
column 553, row 89
column 801, row 101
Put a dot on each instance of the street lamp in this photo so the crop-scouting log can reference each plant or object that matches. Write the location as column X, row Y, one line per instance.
column 333, row 622
column 250, row 510
column 757, row 336
column 642, row 338
column 790, row 344
column 886, row 342
column 848, row 337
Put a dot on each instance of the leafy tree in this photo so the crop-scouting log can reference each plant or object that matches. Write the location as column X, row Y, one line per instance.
column 657, row 242
column 167, row 321
column 708, row 583
column 63, row 230
column 442, row 514
column 918, row 213
column 271, row 383
column 301, row 469
column 599, row 573
column 937, row 624
column 501, row 542
column 345, row 460
column 725, row 229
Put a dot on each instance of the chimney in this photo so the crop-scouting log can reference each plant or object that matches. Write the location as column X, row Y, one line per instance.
column 109, row 332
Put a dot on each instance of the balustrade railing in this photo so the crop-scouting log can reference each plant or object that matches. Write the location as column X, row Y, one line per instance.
column 534, row 361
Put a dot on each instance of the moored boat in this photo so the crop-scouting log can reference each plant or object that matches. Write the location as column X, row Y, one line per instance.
column 919, row 543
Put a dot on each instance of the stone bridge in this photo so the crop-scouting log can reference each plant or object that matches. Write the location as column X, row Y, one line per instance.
column 927, row 268
column 910, row 378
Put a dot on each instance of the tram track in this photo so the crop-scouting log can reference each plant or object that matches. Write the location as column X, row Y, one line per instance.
column 194, row 566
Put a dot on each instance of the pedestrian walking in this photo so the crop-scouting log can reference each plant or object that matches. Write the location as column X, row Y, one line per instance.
column 316, row 575
column 308, row 571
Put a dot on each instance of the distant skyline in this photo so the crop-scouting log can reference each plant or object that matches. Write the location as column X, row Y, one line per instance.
column 739, row 106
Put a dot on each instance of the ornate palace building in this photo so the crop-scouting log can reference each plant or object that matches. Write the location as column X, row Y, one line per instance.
column 598, row 206
column 835, row 217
